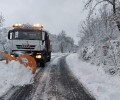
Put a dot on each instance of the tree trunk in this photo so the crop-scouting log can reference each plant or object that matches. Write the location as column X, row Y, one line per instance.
column 115, row 14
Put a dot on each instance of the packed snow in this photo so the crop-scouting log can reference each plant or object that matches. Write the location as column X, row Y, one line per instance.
column 101, row 85
column 14, row 74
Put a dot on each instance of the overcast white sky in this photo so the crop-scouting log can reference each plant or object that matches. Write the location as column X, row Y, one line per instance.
column 55, row 15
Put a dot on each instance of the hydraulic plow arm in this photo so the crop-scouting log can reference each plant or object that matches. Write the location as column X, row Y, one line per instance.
column 24, row 59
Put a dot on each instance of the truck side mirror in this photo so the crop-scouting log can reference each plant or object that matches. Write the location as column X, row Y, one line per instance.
column 10, row 34
column 43, row 36
column 43, row 42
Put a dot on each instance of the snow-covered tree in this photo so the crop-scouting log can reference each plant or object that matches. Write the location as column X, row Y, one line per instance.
column 62, row 42
column 2, row 38
column 66, row 43
column 97, row 42
column 113, row 5
column 1, row 20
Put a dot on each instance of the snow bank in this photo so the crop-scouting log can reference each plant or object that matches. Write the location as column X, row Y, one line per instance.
column 99, row 84
column 14, row 74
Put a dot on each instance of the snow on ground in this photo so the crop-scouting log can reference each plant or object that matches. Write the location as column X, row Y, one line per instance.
column 14, row 74
column 99, row 84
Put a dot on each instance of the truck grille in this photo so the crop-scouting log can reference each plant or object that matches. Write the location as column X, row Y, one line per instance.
column 25, row 46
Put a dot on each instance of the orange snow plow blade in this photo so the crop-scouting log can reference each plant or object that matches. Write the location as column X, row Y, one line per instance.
column 24, row 59
column 27, row 60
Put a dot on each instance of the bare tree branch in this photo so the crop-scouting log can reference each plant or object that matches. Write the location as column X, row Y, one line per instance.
column 109, row 1
column 88, row 3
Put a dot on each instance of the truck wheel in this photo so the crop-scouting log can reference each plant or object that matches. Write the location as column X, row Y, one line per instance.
column 49, row 58
column 42, row 64
column 38, row 64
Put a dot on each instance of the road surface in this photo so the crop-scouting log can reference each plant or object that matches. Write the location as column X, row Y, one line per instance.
column 54, row 82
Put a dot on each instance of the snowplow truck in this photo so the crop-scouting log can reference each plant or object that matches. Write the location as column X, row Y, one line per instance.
column 31, row 40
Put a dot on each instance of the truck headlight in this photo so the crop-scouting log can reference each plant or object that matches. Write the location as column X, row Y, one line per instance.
column 12, row 55
column 39, row 56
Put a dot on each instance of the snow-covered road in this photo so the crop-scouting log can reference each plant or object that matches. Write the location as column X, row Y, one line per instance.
column 58, row 83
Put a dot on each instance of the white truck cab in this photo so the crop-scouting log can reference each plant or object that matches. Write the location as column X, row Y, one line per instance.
column 32, row 40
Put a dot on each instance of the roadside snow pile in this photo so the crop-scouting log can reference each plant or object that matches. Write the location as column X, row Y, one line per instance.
column 14, row 74
column 102, row 86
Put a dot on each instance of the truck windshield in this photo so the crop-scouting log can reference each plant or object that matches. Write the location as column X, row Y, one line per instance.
column 21, row 35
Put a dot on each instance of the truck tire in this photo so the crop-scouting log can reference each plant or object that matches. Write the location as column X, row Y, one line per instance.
column 38, row 64
column 42, row 64
column 49, row 58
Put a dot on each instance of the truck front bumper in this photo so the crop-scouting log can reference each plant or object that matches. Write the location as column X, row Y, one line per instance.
column 39, row 56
